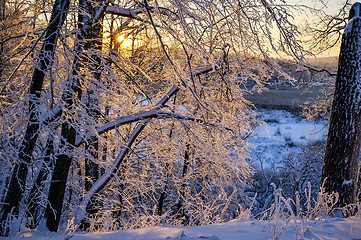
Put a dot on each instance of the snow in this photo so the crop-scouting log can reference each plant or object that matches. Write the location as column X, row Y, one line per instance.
column 347, row 182
column 124, row 11
column 281, row 133
column 356, row 8
column 245, row 229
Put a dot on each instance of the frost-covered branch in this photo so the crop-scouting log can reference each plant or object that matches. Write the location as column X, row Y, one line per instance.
column 125, row 12
column 52, row 115
column 134, row 12
column 128, row 119
column 105, row 178
column 208, row 68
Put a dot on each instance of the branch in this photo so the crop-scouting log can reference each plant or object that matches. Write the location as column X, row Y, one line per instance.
column 206, row 69
column 161, row 114
column 100, row 12
column 134, row 12
column 20, row 36
column 52, row 115
column 328, row 71
column 100, row 184
column 125, row 12
column 128, row 119
column 215, row 66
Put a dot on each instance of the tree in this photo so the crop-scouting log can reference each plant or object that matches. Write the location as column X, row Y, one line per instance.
column 46, row 56
column 341, row 162
column 185, row 157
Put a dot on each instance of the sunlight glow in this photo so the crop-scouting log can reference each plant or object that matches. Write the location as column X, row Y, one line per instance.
column 125, row 41
column 120, row 38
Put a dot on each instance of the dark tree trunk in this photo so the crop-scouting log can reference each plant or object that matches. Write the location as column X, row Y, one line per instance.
column 68, row 133
column 92, row 168
column 162, row 195
column 59, row 179
column 167, row 173
column 2, row 48
column 37, row 188
column 180, row 210
column 340, row 169
column 45, row 59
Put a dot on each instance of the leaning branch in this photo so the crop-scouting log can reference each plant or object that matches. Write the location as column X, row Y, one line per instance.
column 128, row 119
column 100, row 184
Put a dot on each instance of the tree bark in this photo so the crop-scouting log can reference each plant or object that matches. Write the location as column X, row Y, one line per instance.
column 45, row 60
column 33, row 202
column 73, row 91
column 340, row 170
column 182, row 191
column 93, row 108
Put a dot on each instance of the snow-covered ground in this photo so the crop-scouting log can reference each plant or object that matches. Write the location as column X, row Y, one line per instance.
column 330, row 228
column 281, row 133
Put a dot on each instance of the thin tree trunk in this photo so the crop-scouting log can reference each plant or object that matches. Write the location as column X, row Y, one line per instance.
column 68, row 133
column 93, row 108
column 167, row 171
column 2, row 48
column 45, row 60
column 341, row 161
column 33, row 202
column 180, row 211
column 162, row 195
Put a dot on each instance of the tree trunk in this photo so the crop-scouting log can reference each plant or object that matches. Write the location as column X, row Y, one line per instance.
column 33, row 202
column 45, row 60
column 182, row 191
column 87, row 19
column 93, row 108
column 340, row 168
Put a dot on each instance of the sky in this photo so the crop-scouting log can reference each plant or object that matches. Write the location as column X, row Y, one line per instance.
column 329, row 6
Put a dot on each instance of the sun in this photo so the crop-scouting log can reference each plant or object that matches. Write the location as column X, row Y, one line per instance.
column 120, row 38
column 125, row 41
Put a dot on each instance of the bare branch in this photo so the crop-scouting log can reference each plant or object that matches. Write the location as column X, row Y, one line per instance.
column 328, row 71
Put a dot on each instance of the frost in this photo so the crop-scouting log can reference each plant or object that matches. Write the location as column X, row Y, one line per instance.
column 347, row 182
column 356, row 15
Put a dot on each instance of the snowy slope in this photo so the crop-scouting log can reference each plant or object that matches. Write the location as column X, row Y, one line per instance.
column 331, row 228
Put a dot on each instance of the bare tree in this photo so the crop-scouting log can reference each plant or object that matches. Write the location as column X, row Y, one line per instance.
column 26, row 148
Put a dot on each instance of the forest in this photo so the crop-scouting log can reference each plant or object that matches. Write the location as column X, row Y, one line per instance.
column 127, row 114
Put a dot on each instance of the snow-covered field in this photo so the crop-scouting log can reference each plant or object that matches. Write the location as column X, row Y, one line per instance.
column 281, row 133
